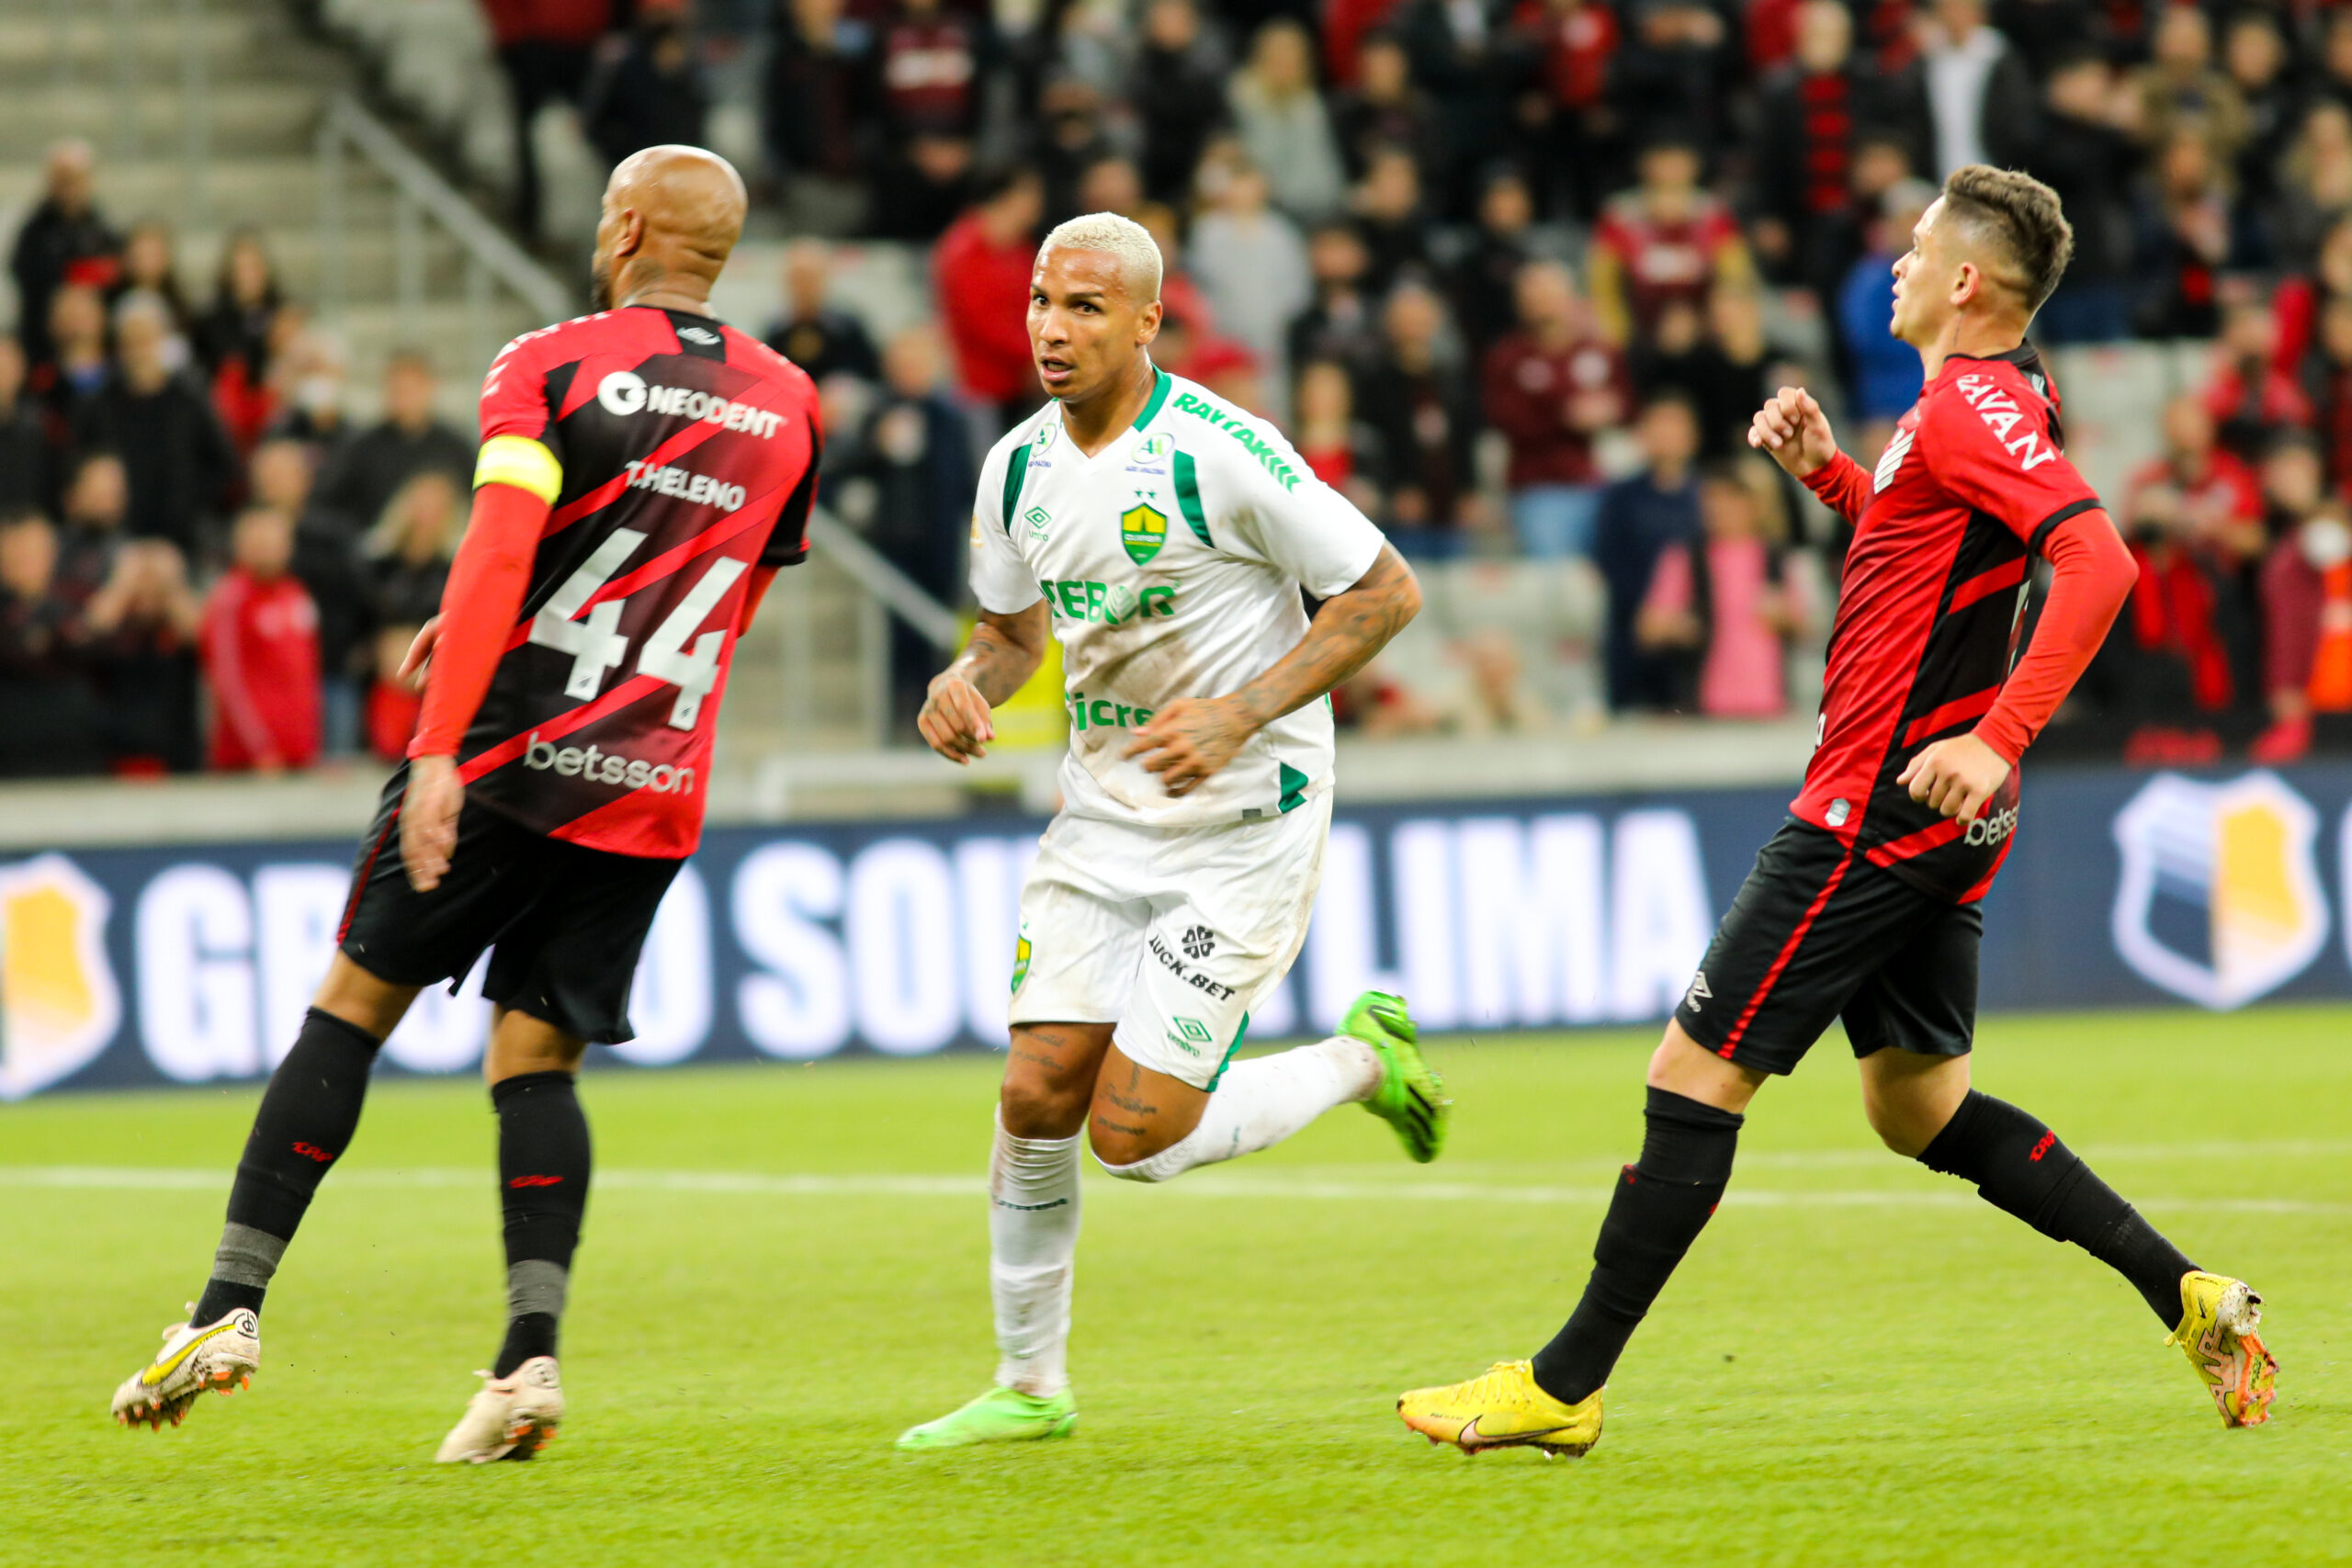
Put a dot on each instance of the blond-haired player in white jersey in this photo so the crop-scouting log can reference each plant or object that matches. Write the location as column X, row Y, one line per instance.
column 1163, row 536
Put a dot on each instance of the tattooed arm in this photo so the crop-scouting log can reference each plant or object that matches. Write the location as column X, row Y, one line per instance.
column 1192, row 739
column 1005, row 650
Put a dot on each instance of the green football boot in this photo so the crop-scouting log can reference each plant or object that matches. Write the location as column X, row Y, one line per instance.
column 999, row 1416
column 1412, row 1097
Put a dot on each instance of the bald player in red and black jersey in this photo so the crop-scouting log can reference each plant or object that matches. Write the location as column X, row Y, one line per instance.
column 644, row 472
column 1866, row 907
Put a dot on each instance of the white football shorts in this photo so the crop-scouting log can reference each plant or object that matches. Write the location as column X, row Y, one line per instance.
column 1172, row 933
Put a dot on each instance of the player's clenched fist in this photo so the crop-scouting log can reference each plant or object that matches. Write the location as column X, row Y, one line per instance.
column 1791, row 427
column 954, row 720
column 1958, row 778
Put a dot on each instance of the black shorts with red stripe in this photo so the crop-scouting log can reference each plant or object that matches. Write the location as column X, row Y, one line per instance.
column 1819, row 932
column 563, row 923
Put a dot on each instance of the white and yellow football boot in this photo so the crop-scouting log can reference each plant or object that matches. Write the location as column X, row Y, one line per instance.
column 1503, row 1407
column 221, row 1356
column 512, row 1417
column 2217, row 1320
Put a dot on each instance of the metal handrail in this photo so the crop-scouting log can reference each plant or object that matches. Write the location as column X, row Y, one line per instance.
column 884, row 584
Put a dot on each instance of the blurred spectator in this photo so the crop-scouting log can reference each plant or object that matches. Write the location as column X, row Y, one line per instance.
column 646, row 88
column 2043, row 31
column 1471, row 61
column 26, row 481
column 2251, row 396
column 1177, row 91
column 1980, row 94
column 1111, row 184
column 821, row 338
column 307, row 383
column 261, row 652
column 1717, row 359
column 1883, row 371
column 235, row 329
column 1279, row 115
column 815, row 106
column 1388, row 213
column 151, row 267
column 97, row 505
column 1668, row 239
column 358, row 478
column 1550, row 388
column 2307, row 620
column 2180, row 90
column 2316, row 175
column 2326, row 374
column 2187, row 234
column 544, row 49
column 1719, row 609
column 2197, row 492
column 1249, row 263
column 1672, row 74
column 1344, row 451
column 2254, row 55
column 1342, row 322
column 327, row 563
column 1067, row 140
column 405, row 561
column 906, row 484
column 63, row 240
column 1385, row 108
column 2084, row 154
column 1812, row 115
column 140, row 634
column 2166, row 670
column 78, row 368
column 1482, row 280
column 177, row 456
column 1639, row 517
column 1424, row 408
column 49, row 718
column 1568, row 111
column 980, row 281
column 930, row 73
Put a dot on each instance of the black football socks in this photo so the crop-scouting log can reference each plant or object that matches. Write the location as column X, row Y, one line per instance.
column 543, row 1180
column 2020, row 1167
column 308, row 1114
column 1661, row 1204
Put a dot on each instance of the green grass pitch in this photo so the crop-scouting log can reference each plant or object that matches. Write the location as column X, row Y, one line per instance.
column 1861, row 1363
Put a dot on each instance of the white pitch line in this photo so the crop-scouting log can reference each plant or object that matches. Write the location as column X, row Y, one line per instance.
column 1263, row 1189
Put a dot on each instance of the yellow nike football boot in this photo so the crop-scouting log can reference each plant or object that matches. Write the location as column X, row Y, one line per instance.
column 2217, row 1319
column 1503, row 1408
column 221, row 1356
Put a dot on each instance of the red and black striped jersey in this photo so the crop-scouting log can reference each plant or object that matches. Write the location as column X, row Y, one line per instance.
column 677, row 455
column 1968, row 490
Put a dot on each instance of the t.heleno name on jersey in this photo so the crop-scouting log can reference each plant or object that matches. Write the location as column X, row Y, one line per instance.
column 1170, row 564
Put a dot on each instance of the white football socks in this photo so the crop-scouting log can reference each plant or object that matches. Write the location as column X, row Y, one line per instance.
column 1263, row 1100
column 1032, row 1242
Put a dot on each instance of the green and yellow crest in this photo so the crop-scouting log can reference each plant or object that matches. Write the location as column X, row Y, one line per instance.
column 1020, row 963
column 1143, row 531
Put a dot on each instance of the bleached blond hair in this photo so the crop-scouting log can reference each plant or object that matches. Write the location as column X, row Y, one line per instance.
column 1124, row 240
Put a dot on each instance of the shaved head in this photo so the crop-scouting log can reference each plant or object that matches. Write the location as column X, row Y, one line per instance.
column 671, row 215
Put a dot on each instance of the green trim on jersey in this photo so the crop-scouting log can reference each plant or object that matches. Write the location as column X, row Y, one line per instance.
column 1294, row 785
column 1015, row 473
column 1239, row 1036
column 1161, row 381
column 1188, row 496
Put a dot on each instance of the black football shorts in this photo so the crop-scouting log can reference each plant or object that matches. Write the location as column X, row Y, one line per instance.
column 563, row 923
column 1819, row 932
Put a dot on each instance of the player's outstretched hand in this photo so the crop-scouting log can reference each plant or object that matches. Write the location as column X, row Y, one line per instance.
column 410, row 674
column 954, row 720
column 1959, row 777
column 1793, row 429
column 429, row 820
column 1190, row 740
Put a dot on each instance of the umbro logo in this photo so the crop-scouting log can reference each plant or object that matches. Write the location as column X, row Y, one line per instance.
column 1199, row 943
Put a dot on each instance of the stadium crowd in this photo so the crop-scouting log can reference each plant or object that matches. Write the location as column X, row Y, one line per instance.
column 1509, row 271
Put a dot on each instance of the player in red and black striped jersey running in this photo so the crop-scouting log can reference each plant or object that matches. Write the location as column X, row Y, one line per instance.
column 644, row 472
column 1866, row 906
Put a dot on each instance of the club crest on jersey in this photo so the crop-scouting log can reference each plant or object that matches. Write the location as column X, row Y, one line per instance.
column 1019, row 962
column 1142, row 529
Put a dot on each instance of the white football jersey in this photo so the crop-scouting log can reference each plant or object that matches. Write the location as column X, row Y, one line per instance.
column 1172, row 562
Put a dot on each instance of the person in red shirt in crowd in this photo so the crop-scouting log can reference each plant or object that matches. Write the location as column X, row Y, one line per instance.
column 261, row 652
column 1550, row 388
column 1343, row 450
column 981, row 276
column 2251, row 395
column 1665, row 240
column 2207, row 487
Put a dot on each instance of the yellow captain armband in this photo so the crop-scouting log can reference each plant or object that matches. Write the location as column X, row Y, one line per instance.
column 519, row 461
